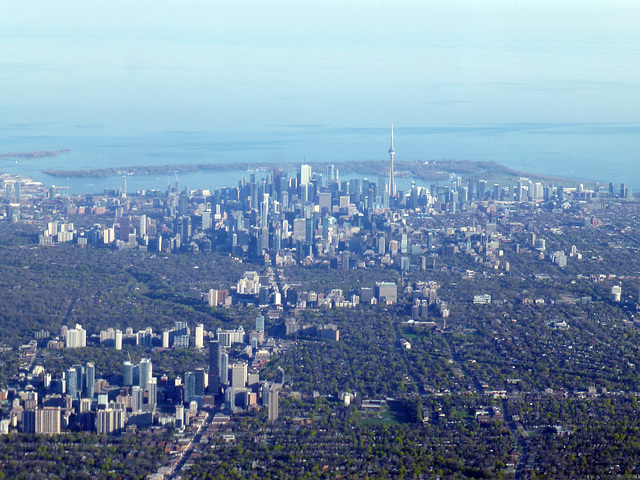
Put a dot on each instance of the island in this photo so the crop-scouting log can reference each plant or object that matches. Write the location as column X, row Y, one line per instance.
column 434, row 170
column 33, row 155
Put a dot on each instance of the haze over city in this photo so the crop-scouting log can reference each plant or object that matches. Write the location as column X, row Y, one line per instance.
column 538, row 86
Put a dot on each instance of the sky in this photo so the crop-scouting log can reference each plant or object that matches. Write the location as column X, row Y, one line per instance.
column 150, row 66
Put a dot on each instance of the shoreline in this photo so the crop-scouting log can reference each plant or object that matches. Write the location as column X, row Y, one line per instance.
column 434, row 170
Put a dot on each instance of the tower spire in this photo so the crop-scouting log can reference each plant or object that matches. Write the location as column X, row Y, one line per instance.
column 392, row 183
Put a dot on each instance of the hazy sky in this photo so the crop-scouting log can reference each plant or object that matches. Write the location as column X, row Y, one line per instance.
column 137, row 66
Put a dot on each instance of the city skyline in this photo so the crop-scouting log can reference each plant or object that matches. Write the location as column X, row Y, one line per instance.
column 211, row 267
column 383, row 311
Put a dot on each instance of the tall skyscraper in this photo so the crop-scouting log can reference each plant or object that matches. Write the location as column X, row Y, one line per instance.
column 142, row 227
column 47, row 420
column 199, row 336
column 387, row 291
column 264, row 392
column 127, row 374
column 214, row 366
column 224, row 368
column 189, row 386
column 137, row 396
column 392, row 183
column 146, row 372
column 264, row 210
column 72, row 383
column 332, row 173
column 125, row 228
column 305, row 174
column 239, row 375
column 206, row 220
column 79, row 378
column 181, row 328
column 200, row 382
column 111, row 420
column 145, row 337
column 89, row 381
column 153, row 393
column 273, row 404
column 179, row 416
column 230, row 398
column 76, row 337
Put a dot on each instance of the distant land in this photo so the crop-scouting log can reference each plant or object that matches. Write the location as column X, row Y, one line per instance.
column 33, row 155
column 432, row 170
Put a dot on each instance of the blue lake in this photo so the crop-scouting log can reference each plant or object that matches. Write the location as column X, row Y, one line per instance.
column 590, row 152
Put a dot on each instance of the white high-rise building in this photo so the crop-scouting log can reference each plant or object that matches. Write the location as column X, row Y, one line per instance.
column 212, row 298
column 76, row 337
column 142, row 231
column 108, row 334
column 108, row 235
column 305, row 174
column 118, row 340
column 616, row 293
column 229, row 337
column 199, row 336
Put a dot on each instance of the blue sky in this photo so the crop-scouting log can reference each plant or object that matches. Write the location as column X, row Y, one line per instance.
column 141, row 66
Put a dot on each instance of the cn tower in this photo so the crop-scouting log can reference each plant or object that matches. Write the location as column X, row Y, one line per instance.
column 392, row 184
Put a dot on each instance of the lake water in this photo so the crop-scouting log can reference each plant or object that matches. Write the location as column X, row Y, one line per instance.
column 548, row 90
column 590, row 152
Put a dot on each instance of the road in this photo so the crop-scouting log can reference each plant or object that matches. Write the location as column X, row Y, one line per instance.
column 522, row 441
column 190, row 448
